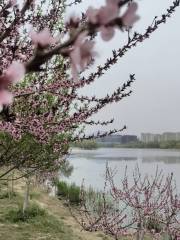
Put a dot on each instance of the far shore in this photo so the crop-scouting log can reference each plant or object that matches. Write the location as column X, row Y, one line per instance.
column 92, row 145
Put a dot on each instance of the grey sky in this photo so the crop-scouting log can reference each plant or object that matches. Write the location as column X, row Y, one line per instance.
column 154, row 105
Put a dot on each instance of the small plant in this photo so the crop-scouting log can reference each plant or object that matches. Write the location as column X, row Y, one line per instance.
column 95, row 200
column 74, row 194
column 4, row 195
column 62, row 189
column 34, row 195
column 153, row 224
column 69, row 192
column 17, row 215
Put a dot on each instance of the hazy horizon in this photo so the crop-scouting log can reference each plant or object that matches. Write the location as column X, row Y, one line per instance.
column 153, row 105
column 139, row 135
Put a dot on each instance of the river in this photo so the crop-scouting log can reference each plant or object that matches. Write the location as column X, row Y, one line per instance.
column 90, row 165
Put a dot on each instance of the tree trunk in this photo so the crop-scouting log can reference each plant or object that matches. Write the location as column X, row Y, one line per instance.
column 140, row 234
column 8, row 188
column 26, row 196
column 12, row 184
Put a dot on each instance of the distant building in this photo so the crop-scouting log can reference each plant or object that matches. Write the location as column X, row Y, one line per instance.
column 118, row 139
column 128, row 139
column 110, row 139
column 170, row 136
column 178, row 136
column 150, row 137
column 167, row 136
column 145, row 137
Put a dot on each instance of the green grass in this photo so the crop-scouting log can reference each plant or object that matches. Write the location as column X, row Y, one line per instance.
column 70, row 192
column 86, row 144
column 37, row 223
column 46, row 219
column 16, row 215
column 62, row 188
column 74, row 194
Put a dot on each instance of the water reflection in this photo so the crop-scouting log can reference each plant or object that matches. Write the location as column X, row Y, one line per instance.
column 164, row 159
column 90, row 164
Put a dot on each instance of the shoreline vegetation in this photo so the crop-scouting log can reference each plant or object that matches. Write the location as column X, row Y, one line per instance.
column 47, row 217
column 92, row 145
column 55, row 217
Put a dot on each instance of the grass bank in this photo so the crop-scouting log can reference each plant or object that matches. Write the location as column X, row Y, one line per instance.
column 49, row 218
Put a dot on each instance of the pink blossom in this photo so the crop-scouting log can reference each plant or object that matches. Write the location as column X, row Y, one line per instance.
column 43, row 38
column 81, row 54
column 113, row 2
column 15, row 72
column 107, row 33
column 130, row 17
column 6, row 97
column 92, row 15
column 12, row 3
column 109, row 12
column 105, row 14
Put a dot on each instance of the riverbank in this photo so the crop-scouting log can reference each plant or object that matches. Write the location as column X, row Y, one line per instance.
column 52, row 222
column 92, row 145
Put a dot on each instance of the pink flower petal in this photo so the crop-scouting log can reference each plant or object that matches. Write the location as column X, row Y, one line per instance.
column 130, row 17
column 15, row 72
column 81, row 54
column 43, row 38
column 74, row 72
column 80, row 39
column 105, row 14
column 92, row 15
column 12, row 3
column 113, row 2
column 86, row 53
column 108, row 13
column 6, row 97
column 107, row 33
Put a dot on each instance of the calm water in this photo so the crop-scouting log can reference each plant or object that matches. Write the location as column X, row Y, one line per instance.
column 90, row 164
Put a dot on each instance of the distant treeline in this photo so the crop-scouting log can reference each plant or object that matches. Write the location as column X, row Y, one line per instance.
column 162, row 145
column 86, row 144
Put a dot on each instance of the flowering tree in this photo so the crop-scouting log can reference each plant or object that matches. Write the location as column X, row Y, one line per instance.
column 25, row 158
column 42, row 64
column 145, row 206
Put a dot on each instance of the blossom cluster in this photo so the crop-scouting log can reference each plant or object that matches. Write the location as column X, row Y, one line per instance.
column 81, row 52
column 138, row 207
column 107, row 18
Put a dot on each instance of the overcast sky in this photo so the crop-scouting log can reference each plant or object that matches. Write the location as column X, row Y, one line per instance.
column 154, row 104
